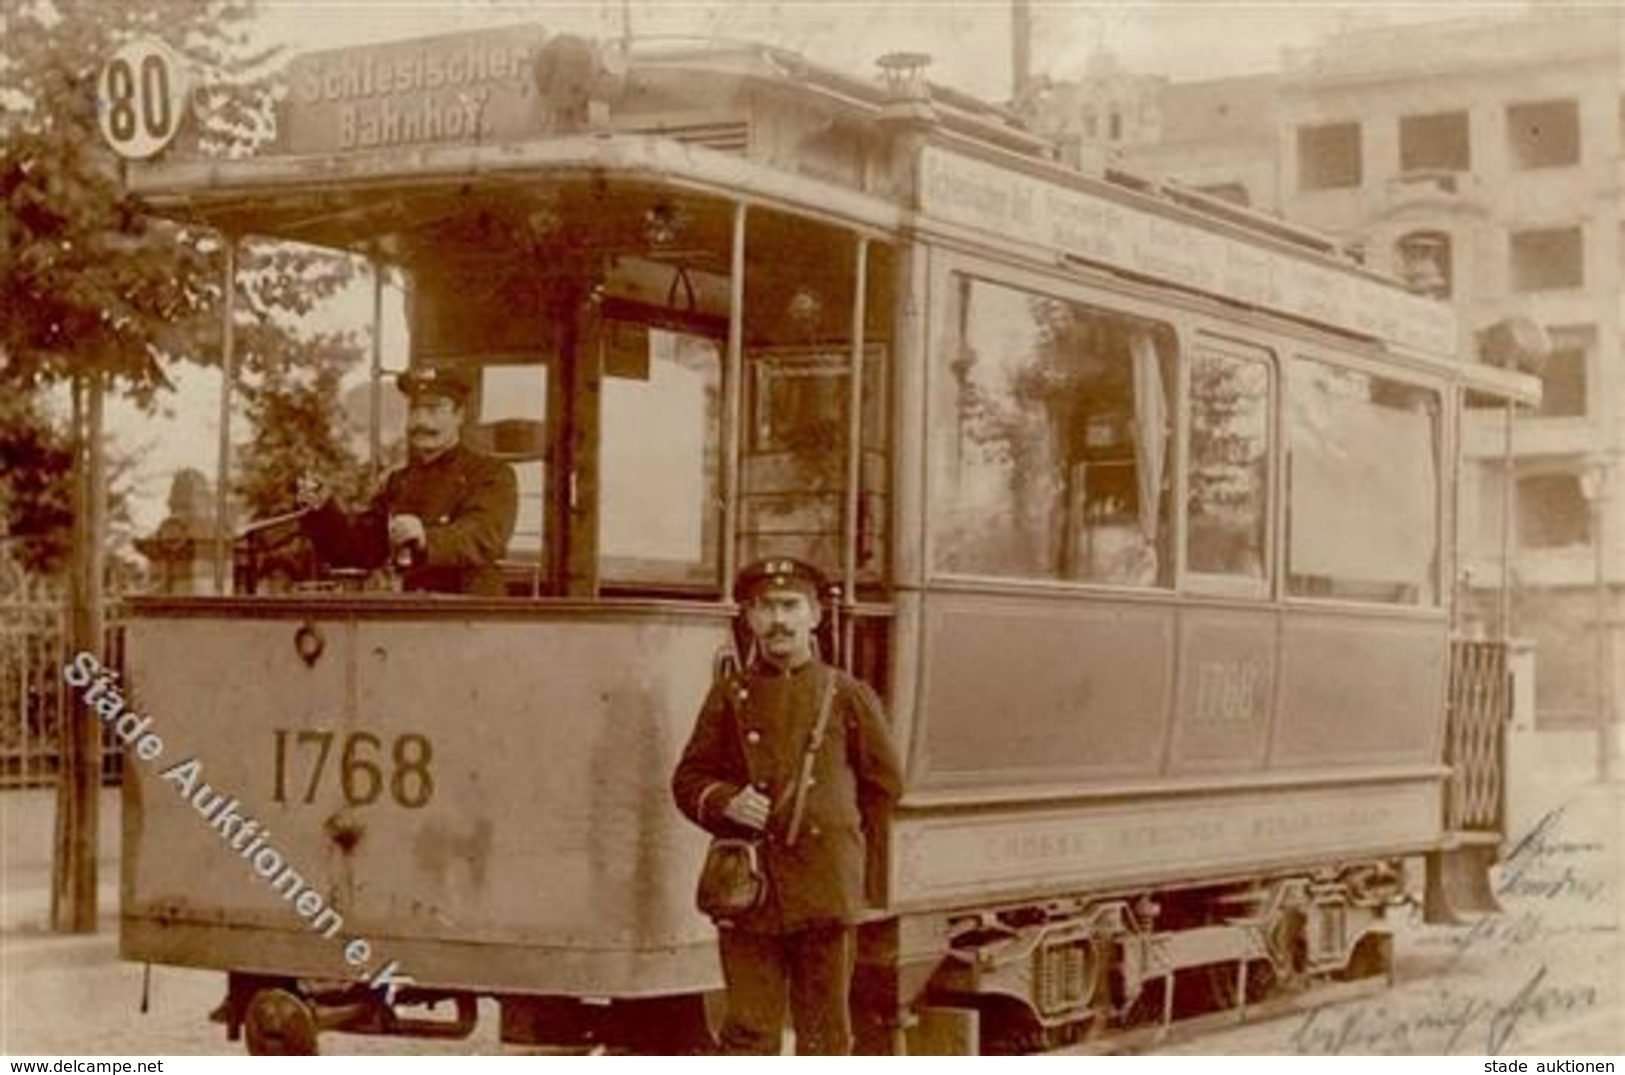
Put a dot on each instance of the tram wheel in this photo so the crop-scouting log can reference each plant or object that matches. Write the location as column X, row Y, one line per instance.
column 279, row 1023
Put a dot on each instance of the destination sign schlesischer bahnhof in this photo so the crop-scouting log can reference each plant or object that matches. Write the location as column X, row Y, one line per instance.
column 460, row 87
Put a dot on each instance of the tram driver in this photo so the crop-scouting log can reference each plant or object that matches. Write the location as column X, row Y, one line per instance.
column 443, row 519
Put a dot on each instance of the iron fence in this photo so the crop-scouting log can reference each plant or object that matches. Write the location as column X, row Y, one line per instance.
column 34, row 700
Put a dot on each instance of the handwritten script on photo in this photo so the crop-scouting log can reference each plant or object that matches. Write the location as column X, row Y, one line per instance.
column 1493, row 985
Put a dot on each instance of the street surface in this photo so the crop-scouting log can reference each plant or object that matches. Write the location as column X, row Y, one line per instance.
column 1543, row 978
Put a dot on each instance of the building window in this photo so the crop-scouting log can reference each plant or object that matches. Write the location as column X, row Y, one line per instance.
column 1552, row 512
column 1563, row 381
column 1434, row 142
column 1547, row 259
column 1116, row 125
column 1425, row 263
column 1329, row 156
column 1544, row 134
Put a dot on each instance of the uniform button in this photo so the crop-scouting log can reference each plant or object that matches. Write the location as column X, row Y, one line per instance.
column 814, row 831
column 753, row 736
column 761, row 785
column 811, row 780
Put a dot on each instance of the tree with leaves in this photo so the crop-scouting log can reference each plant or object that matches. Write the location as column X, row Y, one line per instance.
column 36, row 488
column 100, row 295
column 91, row 285
column 88, row 281
column 298, row 425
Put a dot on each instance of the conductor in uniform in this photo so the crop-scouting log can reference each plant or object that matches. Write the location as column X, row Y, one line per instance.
column 444, row 518
column 739, row 776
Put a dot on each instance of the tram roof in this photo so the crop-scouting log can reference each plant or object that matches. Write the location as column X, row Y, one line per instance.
column 365, row 147
column 711, row 70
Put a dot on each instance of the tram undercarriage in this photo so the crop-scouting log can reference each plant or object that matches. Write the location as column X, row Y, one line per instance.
column 1098, row 973
column 1063, row 972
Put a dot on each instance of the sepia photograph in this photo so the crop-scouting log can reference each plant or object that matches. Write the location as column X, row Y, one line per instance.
column 767, row 527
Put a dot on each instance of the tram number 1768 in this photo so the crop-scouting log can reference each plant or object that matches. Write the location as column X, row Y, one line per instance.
column 365, row 770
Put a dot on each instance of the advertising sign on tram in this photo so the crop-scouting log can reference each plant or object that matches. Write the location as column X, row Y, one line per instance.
column 1008, row 203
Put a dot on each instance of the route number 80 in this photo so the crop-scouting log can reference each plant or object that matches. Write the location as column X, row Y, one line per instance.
column 140, row 96
column 364, row 773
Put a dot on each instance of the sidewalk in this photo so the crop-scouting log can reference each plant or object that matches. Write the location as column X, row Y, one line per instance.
column 26, row 939
column 27, row 826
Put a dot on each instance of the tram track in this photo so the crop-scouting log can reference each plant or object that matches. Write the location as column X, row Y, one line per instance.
column 1150, row 1038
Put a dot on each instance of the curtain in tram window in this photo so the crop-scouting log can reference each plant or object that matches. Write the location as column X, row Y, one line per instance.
column 1150, row 425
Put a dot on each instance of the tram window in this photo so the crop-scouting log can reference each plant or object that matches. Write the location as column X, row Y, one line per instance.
column 1227, row 501
column 794, row 482
column 1363, row 487
column 661, row 457
column 1052, row 450
column 513, row 404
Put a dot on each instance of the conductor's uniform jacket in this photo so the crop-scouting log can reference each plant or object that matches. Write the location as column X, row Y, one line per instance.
column 754, row 728
column 468, row 503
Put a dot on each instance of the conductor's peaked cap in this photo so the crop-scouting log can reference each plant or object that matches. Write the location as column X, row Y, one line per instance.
column 778, row 573
column 449, row 381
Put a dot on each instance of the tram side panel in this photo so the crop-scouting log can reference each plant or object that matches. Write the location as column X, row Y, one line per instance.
column 492, row 810
column 1360, row 690
column 1110, row 743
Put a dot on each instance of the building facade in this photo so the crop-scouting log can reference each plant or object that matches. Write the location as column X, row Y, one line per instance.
column 1483, row 160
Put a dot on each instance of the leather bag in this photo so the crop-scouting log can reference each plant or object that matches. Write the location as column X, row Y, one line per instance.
column 731, row 881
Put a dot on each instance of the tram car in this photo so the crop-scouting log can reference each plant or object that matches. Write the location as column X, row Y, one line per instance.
column 1143, row 508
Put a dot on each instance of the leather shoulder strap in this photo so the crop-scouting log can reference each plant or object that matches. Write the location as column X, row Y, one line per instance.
column 815, row 739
